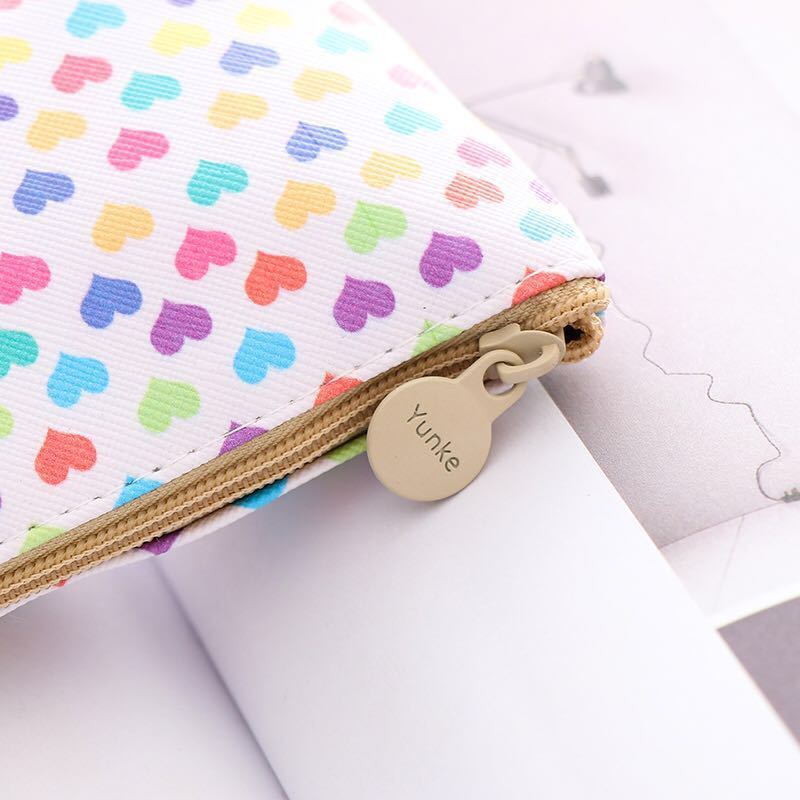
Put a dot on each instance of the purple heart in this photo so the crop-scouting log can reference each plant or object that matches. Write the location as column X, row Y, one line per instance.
column 176, row 322
column 160, row 545
column 8, row 107
column 237, row 436
column 308, row 140
column 360, row 299
column 38, row 187
column 447, row 253
column 240, row 58
column 109, row 296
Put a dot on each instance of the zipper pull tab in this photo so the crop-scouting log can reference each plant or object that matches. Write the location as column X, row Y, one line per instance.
column 430, row 437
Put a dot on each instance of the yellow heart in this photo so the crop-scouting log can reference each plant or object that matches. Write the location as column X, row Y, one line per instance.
column 174, row 36
column 50, row 127
column 301, row 199
column 13, row 51
column 230, row 108
column 381, row 169
column 117, row 223
column 256, row 19
column 314, row 84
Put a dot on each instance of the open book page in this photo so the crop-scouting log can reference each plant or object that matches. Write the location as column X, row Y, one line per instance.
column 518, row 640
column 679, row 157
column 107, row 693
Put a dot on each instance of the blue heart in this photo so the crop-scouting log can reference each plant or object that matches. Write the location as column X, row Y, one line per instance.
column 74, row 375
column 261, row 497
column 38, row 187
column 107, row 296
column 261, row 350
column 339, row 42
column 540, row 227
column 16, row 347
column 88, row 18
column 407, row 120
column 308, row 140
column 240, row 58
column 135, row 488
column 144, row 88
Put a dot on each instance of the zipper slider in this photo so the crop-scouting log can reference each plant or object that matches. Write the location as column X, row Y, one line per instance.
column 430, row 437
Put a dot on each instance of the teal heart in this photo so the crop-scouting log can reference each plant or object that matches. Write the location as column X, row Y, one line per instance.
column 16, row 347
column 339, row 42
column 540, row 227
column 74, row 375
column 143, row 89
column 370, row 223
column 88, row 18
column 211, row 179
column 407, row 120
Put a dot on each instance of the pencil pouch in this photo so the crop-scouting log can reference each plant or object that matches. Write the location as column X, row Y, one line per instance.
column 231, row 234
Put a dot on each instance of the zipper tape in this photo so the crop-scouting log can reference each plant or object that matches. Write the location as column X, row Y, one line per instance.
column 290, row 446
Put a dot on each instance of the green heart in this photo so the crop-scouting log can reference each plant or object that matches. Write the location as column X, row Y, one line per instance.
column 6, row 422
column 433, row 334
column 165, row 400
column 349, row 449
column 16, row 347
column 371, row 222
column 39, row 534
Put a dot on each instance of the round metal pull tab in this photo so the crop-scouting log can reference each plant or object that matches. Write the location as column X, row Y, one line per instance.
column 431, row 437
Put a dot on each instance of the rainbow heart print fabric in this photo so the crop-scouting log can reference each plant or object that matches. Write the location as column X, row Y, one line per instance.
column 217, row 214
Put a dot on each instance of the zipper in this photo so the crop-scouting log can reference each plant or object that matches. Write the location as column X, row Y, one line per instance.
column 566, row 309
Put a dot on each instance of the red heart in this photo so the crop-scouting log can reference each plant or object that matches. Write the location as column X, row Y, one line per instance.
column 333, row 387
column 270, row 274
column 74, row 71
column 62, row 452
column 21, row 272
column 536, row 283
column 464, row 191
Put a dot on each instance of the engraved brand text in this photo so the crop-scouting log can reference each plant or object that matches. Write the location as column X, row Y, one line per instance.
column 440, row 449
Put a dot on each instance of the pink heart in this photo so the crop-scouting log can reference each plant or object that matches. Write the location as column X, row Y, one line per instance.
column 74, row 71
column 21, row 272
column 478, row 154
column 132, row 146
column 6, row 5
column 346, row 13
column 407, row 78
column 359, row 300
column 200, row 249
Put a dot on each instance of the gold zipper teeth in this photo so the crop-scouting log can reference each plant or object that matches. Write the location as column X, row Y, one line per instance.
column 285, row 449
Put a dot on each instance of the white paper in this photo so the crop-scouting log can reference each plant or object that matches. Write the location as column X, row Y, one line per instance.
column 522, row 639
column 105, row 693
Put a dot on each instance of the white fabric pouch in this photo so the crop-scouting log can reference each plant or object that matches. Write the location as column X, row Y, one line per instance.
column 228, row 231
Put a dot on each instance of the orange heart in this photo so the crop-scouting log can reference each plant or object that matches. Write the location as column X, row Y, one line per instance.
column 272, row 273
column 465, row 192
column 62, row 452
